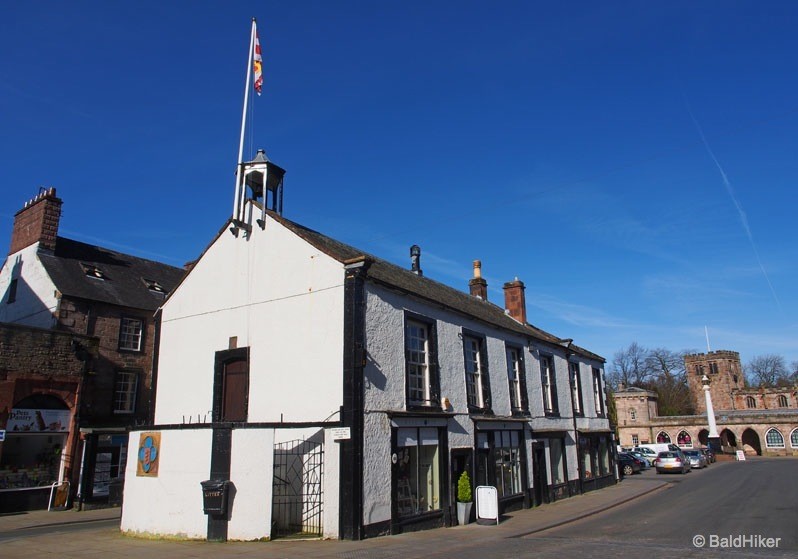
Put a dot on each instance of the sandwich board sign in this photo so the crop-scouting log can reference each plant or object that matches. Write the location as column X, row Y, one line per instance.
column 740, row 455
column 487, row 505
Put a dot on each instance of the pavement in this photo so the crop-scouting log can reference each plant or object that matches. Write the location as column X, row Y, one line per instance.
column 61, row 533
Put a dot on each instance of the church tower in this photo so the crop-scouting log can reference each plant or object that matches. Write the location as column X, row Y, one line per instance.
column 725, row 376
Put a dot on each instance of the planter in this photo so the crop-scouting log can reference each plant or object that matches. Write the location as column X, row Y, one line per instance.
column 464, row 513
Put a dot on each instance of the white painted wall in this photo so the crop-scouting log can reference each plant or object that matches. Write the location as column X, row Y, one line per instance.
column 36, row 298
column 279, row 296
column 251, row 467
column 172, row 502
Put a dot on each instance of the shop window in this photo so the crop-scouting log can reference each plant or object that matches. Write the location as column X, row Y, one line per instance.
column 499, row 461
column 684, row 440
column 557, row 457
column 418, row 471
column 663, row 437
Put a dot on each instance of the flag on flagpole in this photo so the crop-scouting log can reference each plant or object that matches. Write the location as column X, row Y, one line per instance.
column 257, row 65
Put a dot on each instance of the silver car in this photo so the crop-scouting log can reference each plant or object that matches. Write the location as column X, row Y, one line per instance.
column 672, row 461
column 697, row 458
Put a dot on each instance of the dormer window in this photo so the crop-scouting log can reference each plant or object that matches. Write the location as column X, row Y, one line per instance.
column 154, row 286
column 93, row 271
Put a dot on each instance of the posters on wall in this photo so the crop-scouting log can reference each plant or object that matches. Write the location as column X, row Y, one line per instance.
column 38, row 421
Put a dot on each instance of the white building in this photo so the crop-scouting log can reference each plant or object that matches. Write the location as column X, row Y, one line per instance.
column 342, row 395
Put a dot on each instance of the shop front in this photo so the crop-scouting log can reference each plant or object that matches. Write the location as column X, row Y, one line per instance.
column 501, row 462
column 594, row 454
column 420, row 498
column 32, row 455
column 102, row 467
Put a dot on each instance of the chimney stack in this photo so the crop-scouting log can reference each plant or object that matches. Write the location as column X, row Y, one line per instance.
column 415, row 260
column 477, row 285
column 515, row 300
column 37, row 222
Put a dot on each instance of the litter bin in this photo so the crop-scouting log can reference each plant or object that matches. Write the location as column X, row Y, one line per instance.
column 214, row 496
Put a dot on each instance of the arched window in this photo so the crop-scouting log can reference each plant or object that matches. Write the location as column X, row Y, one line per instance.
column 663, row 437
column 794, row 438
column 783, row 401
column 633, row 414
column 750, row 403
column 774, row 439
column 684, row 439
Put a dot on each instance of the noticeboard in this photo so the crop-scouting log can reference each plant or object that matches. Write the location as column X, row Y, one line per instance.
column 740, row 455
column 487, row 505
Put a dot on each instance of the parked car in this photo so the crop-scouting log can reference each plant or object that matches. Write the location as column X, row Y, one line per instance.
column 628, row 464
column 643, row 457
column 672, row 461
column 709, row 454
column 697, row 458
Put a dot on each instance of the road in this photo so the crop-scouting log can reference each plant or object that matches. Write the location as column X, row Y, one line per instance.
column 756, row 499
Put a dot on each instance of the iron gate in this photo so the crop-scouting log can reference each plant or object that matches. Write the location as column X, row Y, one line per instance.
column 297, row 500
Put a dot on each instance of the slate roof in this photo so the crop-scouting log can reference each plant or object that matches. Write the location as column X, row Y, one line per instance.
column 400, row 278
column 125, row 275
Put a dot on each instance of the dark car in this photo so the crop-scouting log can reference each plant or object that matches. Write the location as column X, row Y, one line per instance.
column 710, row 456
column 628, row 464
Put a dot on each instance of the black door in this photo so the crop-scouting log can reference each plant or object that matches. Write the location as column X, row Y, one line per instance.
column 541, row 481
column 461, row 462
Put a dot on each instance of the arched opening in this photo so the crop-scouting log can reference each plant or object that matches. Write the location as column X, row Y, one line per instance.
column 794, row 439
column 703, row 437
column 36, row 434
column 751, row 442
column 728, row 441
column 750, row 402
column 684, row 440
column 783, row 401
column 663, row 437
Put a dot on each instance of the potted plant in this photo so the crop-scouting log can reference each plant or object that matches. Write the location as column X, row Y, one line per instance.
column 464, row 499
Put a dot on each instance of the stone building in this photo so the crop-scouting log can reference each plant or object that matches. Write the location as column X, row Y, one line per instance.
column 98, row 298
column 763, row 421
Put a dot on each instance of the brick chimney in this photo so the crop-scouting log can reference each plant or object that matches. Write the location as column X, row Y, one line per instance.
column 37, row 222
column 477, row 285
column 514, row 300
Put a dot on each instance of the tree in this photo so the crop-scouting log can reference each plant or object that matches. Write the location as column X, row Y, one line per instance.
column 628, row 367
column 768, row 371
column 668, row 378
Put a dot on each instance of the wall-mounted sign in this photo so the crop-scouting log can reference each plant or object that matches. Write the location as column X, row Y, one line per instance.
column 149, row 455
column 341, row 433
column 23, row 420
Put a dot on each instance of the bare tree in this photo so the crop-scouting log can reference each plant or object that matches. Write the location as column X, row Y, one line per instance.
column 628, row 367
column 768, row 370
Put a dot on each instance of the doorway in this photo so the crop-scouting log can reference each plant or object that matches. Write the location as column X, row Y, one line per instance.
column 461, row 460
column 540, row 481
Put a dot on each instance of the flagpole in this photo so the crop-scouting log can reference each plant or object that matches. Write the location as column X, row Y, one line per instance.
column 239, row 195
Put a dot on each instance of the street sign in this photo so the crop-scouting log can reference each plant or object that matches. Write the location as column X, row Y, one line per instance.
column 341, row 433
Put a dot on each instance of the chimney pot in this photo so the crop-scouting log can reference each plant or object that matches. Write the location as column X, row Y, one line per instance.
column 477, row 285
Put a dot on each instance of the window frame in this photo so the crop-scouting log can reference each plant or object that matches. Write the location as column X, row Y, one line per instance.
column 548, row 385
column 598, row 393
column 575, row 383
column 122, row 334
column 774, row 445
column 221, row 360
column 431, row 377
column 131, row 392
column 481, row 403
column 783, row 402
column 518, row 386
column 794, row 438
column 750, row 402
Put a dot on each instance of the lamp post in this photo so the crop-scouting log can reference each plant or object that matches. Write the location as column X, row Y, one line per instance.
column 713, row 441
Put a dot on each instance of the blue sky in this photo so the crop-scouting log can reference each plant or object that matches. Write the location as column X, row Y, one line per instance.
column 634, row 163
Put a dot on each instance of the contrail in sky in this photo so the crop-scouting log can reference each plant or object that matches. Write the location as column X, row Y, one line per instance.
column 735, row 201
